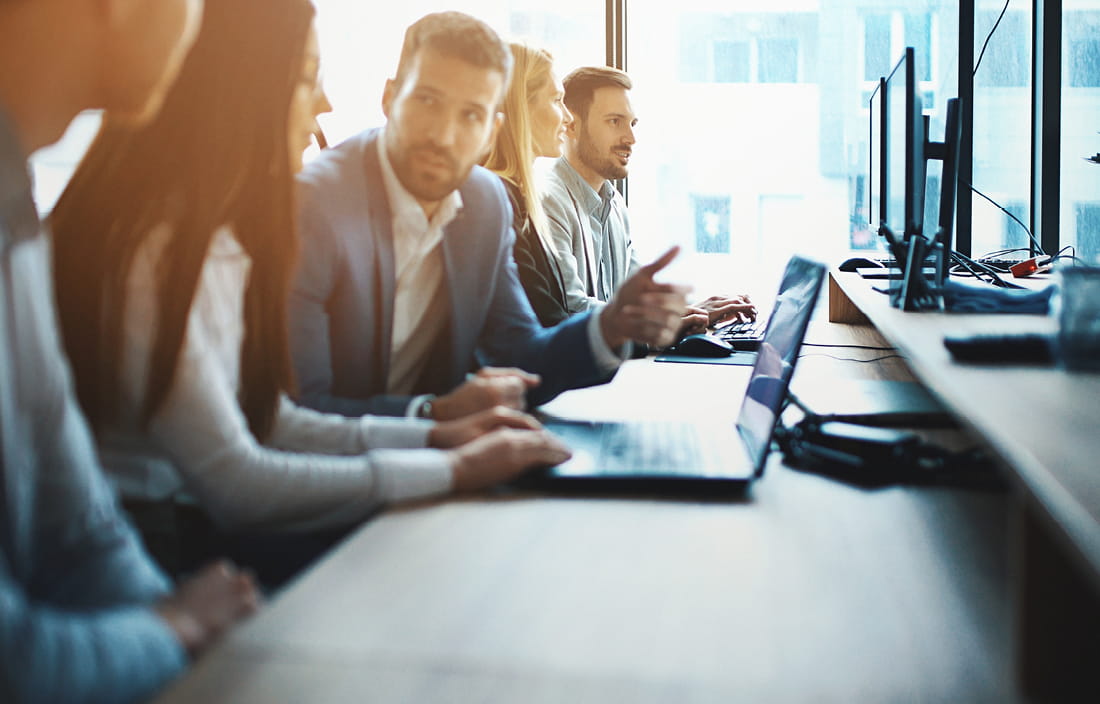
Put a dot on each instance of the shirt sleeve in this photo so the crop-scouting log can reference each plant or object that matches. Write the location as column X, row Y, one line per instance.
column 246, row 485
column 50, row 655
column 606, row 359
column 75, row 585
column 305, row 430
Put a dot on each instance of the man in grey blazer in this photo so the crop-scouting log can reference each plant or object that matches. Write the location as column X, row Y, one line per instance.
column 407, row 283
column 85, row 615
column 586, row 216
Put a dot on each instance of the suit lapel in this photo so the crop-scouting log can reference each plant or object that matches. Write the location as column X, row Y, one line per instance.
column 380, row 237
column 463, row 298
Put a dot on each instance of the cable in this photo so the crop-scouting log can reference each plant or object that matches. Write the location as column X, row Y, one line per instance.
column 1072, row 256
column 988, row 37
column 850, row 359
column 978, row 269
column 849, row 347
column 1038, row 247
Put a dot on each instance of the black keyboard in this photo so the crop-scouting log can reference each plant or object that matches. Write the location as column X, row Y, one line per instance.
column 650, row 448
column 998, row 263
column 743, row 335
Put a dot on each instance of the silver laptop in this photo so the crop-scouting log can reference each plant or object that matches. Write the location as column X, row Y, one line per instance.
column 627, row 454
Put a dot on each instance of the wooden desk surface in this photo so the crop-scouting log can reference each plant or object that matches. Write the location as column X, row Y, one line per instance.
column 1043, row 422
column 808, row 591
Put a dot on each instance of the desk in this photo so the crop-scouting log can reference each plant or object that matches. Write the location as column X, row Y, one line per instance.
column 1044, row 424
column 808, row 591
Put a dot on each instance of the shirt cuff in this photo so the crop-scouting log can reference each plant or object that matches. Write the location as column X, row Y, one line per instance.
column 385, row 432
column 413, row 409
column 607, row 360
column 411, row 474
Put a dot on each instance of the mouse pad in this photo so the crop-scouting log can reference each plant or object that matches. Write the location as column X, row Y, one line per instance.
column 739, row 359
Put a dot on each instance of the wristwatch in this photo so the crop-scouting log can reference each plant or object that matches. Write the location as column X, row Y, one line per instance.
column 424, row 410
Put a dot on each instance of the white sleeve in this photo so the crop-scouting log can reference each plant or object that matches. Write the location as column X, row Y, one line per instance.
column 306, row 430
column 244, row 484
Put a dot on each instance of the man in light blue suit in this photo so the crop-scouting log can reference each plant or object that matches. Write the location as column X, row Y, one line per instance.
column 408, row 285
column 85, row 615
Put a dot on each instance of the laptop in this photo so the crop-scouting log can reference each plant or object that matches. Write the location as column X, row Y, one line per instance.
column 670, row 455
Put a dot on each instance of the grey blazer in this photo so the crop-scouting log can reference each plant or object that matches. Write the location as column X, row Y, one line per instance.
column 341, row 308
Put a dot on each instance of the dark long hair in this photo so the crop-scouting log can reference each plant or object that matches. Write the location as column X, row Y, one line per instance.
column 216, row 154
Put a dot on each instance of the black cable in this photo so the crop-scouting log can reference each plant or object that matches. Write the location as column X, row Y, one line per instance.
column 1038, row 247
column 978, row 269
column 988, row 37
column 1072, row 256
column 850, row 359
column 849, row 347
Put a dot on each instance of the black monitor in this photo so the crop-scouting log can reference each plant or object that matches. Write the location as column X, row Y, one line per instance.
column 947, row 152
column 876, row 147
column 903, row 153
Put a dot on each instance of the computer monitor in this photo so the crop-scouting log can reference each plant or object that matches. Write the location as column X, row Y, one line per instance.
column 903, row 154
column 947, row 152
column 876, row 147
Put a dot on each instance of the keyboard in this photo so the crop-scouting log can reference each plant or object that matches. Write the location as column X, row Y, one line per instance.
column 743, row 335
column 650, row 448
column 997, row 263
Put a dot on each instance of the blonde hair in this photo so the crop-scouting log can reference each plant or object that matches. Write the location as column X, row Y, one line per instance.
column 512, row 154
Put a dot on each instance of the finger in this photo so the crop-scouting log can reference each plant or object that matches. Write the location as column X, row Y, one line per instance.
column 656, row 287
column 694, row 311
column 505, row 417
column 545, row 448
column 651, row 331
column 661, row 262
column 663, row 302
column 527, row 377
column 732, row 309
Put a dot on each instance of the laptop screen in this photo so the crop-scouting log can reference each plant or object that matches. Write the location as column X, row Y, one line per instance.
column 771, row 375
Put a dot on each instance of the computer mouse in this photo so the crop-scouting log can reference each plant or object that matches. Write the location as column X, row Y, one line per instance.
column 859, row 263
column 702, row 345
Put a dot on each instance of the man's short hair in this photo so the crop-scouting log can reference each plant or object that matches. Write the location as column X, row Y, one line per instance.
column 580, row 85
column 455, row 35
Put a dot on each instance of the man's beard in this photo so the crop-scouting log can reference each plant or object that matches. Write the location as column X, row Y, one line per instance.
column 602, row 164
column 429, row 186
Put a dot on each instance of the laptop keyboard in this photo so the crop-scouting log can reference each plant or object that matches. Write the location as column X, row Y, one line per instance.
column 651, row 448
column 741, row 329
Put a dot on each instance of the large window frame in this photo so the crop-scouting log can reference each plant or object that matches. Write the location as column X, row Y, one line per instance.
column 1046, row 71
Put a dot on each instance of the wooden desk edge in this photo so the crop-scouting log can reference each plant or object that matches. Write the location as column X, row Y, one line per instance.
column 841, row 307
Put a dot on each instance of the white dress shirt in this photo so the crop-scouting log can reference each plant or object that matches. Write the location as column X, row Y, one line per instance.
column 419, row 286
column 418, row 318
column 316, row 470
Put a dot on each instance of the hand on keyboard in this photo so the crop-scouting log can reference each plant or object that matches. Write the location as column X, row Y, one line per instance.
column 723, row 308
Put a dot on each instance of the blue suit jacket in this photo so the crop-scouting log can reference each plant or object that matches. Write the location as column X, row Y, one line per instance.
column 341, row 308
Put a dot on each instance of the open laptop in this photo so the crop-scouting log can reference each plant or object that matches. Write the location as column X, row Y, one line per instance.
column 696, row 454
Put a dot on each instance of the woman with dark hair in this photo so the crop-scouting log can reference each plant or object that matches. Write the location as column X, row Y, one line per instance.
column 175, row 245
column 534, row 120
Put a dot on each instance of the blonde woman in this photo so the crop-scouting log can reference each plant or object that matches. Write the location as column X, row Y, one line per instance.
column 534, row 126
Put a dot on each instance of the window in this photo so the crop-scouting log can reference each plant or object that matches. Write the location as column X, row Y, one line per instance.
column 1087, row 227
column 731, row 62
column 1080, row 179
column 360, row 46
column 1002, row 125
column 764, row 106
column 712, row 224
column 739, row 47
